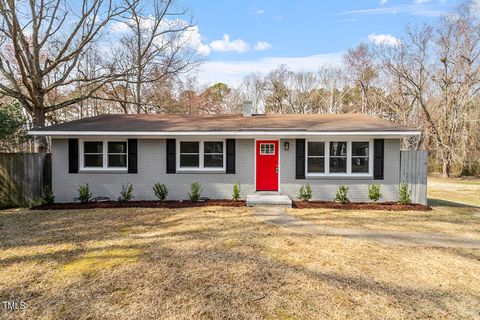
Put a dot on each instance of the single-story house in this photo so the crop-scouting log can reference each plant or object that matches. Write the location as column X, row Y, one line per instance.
column 268, row 152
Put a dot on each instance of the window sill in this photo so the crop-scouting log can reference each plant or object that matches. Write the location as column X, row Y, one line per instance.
column 103, row 170
column 220, row 170
column 339, row 177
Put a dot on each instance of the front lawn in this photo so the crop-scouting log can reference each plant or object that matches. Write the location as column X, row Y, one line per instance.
column 464, row 191
column 444, row 218
column 219, row 262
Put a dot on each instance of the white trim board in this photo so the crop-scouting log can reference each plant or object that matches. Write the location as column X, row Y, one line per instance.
column 233, row 134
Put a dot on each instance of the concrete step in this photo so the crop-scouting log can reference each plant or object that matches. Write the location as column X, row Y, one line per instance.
column 268, row 199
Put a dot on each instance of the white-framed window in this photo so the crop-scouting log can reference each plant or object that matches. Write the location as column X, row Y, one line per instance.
column 339, row 157
column 201, row 155
column 103, row 155
column 360, row 156
column 267, row 148
column 213, row 154
column 189, row 154
column 93, row 154
column 316, row 157
column 117, row 154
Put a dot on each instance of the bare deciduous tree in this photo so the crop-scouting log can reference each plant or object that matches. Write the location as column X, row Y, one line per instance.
column 154, row 48
column 360, row 64
column 42, row 43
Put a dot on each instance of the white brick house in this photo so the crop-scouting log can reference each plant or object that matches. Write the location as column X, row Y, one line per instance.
column 260, row 152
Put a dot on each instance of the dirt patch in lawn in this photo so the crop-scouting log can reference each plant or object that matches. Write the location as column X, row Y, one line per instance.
column 385, row 206
column 139, row 204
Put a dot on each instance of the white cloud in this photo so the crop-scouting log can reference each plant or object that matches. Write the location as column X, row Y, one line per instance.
column 383, row 40
column 382, row 2
column 192, row 37
column 226, row 45
column 421, row 1
column 414, row 9
column 259, row 11
column 232, row 72
column 262, row 46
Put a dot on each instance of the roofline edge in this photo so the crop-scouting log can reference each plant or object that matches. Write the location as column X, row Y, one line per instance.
column 230, row 133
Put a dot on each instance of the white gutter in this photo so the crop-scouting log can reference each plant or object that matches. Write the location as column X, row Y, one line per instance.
column 225, row 133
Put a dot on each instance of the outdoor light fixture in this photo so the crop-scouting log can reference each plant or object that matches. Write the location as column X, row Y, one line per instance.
column 286, row 145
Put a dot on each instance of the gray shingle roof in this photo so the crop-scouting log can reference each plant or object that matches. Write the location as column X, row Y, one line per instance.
column 207, row 123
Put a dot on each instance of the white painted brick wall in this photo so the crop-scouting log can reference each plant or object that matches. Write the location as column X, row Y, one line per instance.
column 325, row 188
column 151, row 169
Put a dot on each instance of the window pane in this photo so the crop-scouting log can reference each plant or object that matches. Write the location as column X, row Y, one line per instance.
column 93, row 146
column 213, row 147
column 117, row 160
column 93, row 160
column 189, row 160
column 338, row 165
column 338, row 148
column 117, row 147
column 360, row 165
column 267, row 148
column 360, row 149
column 316, row 165
column 213, row 161
column 316, row 148
column 189, row 147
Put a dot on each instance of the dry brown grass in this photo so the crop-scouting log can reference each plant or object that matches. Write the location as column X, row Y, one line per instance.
column 465, row 191
column 219, row 263
column 454, row 212
column 457, row 220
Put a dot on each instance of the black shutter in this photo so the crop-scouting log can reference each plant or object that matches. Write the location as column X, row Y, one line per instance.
column 72, row 155
column 230, row 156
column 132, row 156
column 300, row 159
column 378, row 155
column 171, row 154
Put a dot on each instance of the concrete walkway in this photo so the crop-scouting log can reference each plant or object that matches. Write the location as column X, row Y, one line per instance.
column 277, row 215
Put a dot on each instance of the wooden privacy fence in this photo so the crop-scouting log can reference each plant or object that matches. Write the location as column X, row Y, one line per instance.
column 23, row 177
column 413, row 170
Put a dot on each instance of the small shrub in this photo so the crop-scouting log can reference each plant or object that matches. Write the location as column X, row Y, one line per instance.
column 195, row 192
column 48, row 197
column 341, row 195
column 84, row 194
column 374, row 192
column 127, row 193
column 305, row 193
column 404, row 194
column 236, row 191
column 160, row 191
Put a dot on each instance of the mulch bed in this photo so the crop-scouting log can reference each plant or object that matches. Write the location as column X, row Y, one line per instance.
column 139, row 204
column 388, row 206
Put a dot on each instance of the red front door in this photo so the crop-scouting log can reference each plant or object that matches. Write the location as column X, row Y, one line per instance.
column 267, row 165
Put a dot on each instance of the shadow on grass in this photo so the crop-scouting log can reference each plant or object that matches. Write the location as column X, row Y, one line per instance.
column 446, row 203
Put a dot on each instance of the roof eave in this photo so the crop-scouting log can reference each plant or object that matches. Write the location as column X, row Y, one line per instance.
column 243, row 134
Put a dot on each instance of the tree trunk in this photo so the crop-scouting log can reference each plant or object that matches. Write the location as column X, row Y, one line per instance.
column 41, row 144
column 446, row 167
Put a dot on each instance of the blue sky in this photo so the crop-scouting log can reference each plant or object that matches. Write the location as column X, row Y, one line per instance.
column 238, row 37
